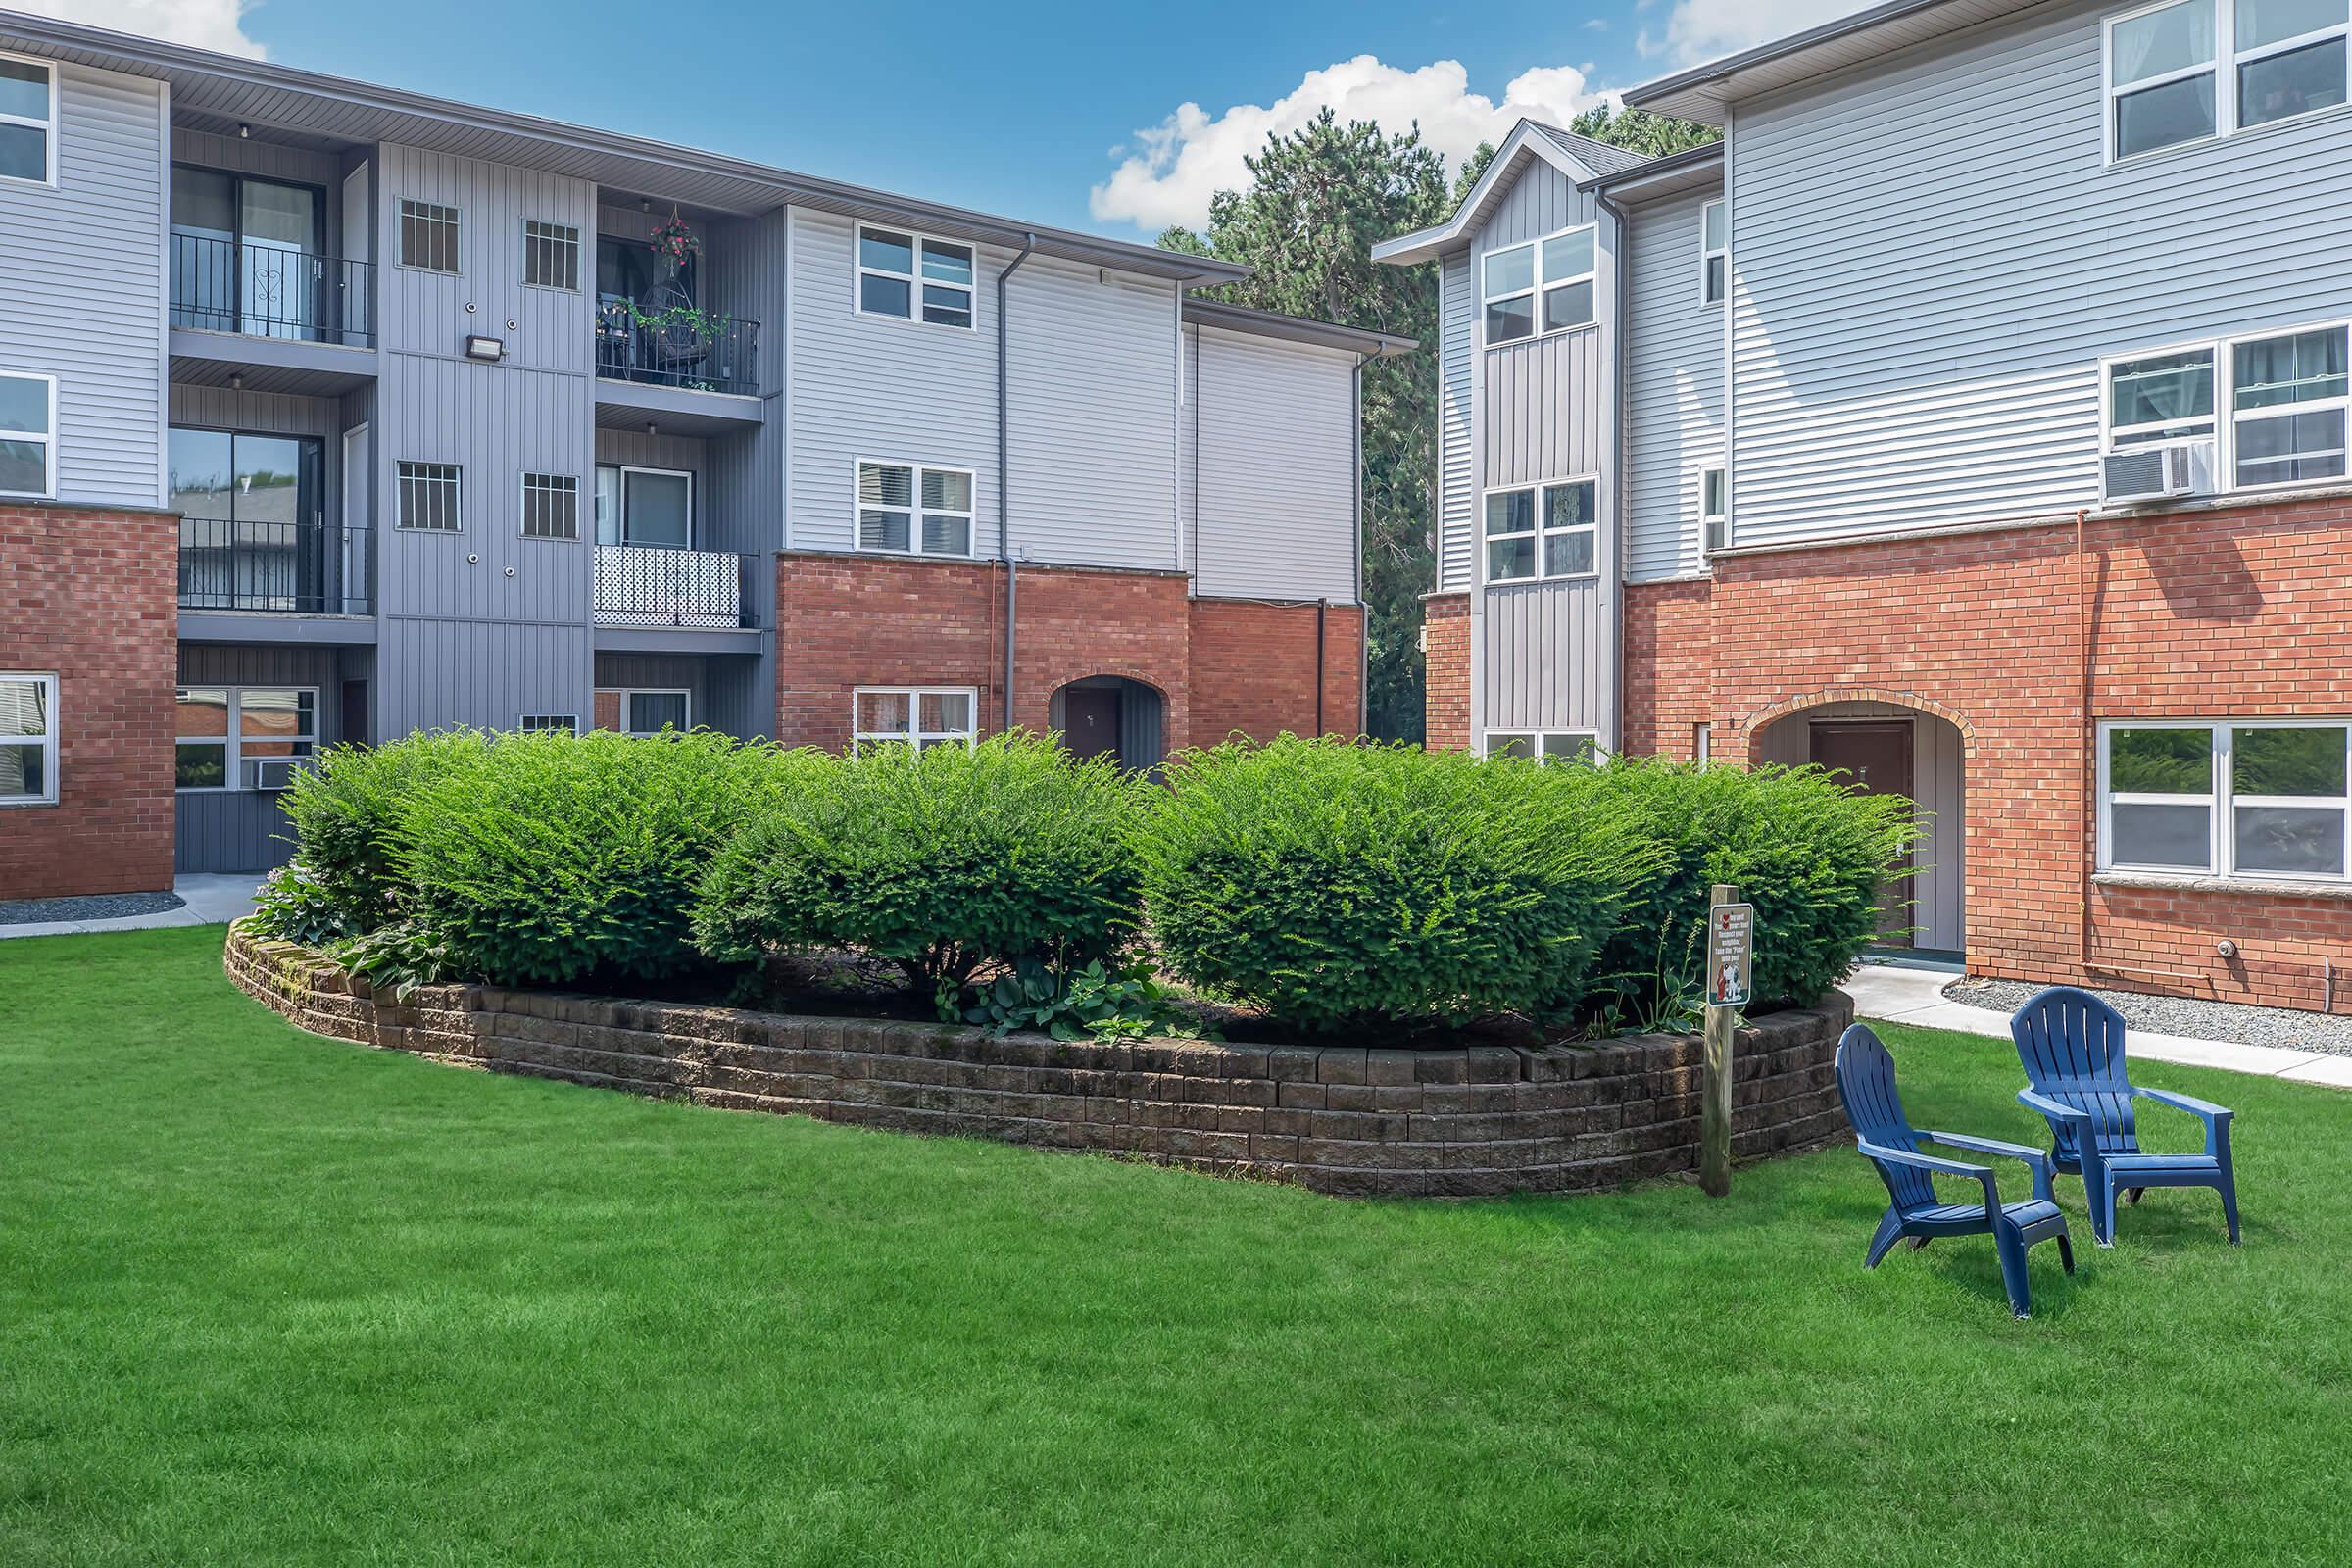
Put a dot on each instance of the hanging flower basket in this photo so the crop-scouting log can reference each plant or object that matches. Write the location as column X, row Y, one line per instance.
column 675, row 243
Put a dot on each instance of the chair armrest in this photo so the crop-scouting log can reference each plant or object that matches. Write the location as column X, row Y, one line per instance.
column 2035, row 1099
column 2037, row 1160
column 1979, row 1174
column 2214, row 1117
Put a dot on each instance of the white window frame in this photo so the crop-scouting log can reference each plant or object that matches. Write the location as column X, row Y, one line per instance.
column 915, row 509
column 1715, row 516
column 2220, row 801
column 233, row 772
column 2226, row 61
column 1708, row 255
column 47, row 438
column 1541, row 286
column 1485, row 560
column 47, row 682
column 1702, row 742
column 914, row 279
column 621, row 500
column 1535, row 739
column 456, row 236
column 915, row 734
column 547, row 723
column 2227, row 415
column 456, row 491
column 555, row 243
column 626, row 693
column 48, row 128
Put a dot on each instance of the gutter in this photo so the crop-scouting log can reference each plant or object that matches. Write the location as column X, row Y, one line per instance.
column 1004, row 471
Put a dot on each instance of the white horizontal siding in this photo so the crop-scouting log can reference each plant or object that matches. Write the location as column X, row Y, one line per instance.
column 1672, row 393
column 1457, row 467
column 1931, row 257
column 1276, row 488
column 82, row 286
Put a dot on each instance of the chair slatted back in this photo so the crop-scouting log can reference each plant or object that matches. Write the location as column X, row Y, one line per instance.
column 1866, row 1083
column 2072, row 1047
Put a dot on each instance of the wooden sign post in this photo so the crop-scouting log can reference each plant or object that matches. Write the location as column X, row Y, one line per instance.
column 1730, row 950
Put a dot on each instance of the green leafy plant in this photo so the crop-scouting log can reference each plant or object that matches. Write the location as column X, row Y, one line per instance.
column 397, row 959
column 292, row 904
column 1100, row 1001
column 950, row 863
column 705, row 326
column 346, row 813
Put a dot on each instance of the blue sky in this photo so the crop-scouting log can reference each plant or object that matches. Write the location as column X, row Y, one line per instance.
column 1060, row 113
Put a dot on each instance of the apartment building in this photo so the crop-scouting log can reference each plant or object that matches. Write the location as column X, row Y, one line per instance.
column 330, row 411
column 1971, row 419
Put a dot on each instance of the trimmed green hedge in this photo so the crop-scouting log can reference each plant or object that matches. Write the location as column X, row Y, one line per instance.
column 947, row 861
column 346, row 814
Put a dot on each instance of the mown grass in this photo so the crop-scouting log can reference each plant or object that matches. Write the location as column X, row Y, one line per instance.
column 267, row 1298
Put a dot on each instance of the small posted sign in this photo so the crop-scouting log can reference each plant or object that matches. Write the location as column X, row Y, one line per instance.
column 1731, row 955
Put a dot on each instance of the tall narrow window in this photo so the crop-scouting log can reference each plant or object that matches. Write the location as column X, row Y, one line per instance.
column 551, row 255
column 1712, row 509
column 1714, row 255
column 27, row 739
column 890, row 519
column 28, row 434
column 428, row 237
column 1541, row 531
column 1541, row 286
column 551, row 506
column 429, row 496
column 2289, row 404
column 27, row 121
column 899, row 273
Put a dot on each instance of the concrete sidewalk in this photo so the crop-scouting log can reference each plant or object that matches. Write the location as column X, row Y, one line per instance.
column 211, row 899
column 1915, row 997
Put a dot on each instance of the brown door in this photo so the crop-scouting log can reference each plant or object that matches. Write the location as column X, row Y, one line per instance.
column 1877, row 756
column 1089, row 718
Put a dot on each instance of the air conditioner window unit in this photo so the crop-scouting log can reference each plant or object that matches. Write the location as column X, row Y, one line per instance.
column 2157, row 472
column 276, row 772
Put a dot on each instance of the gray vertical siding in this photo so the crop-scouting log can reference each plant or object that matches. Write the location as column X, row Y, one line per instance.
column 1457, row 466
column 1272, row 511
column 690, row 673
column 1546, row 414
column 1547, row 647
column 241, row 829
column 95, row 318
column 1672, row 393
column 1920, row 348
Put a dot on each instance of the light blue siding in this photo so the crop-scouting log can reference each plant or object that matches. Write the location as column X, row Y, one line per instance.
column 1457, row 465
column 82, row 286
column 1931, row 257
column 1275, row 497
column 1672, row 393
column 1547, row 644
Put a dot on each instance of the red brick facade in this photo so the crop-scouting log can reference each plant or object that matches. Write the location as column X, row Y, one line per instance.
column 2232, row 613
column 91, row 595
column 1445, row 662
column 844, row 621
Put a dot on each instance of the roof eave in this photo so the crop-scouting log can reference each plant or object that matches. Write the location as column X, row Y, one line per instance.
column 1705, row 92
column 1298, row 329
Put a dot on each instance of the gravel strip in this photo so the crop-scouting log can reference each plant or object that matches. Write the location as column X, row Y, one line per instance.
column 2231, row 1022
column 97, row 907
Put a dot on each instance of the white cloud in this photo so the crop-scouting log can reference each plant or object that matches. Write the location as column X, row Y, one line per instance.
column 1704, row 30
column 205, row 23
column 1179, row 164
column 1597, row 24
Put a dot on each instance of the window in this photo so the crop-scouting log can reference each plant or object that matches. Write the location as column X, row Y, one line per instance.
column 2161, row 397
column 429, row 496
column 2264, row 798
column 28, row 737
column 2188, row 70
column 1541, row 531
column 551, row 506
column 551, row 255
column 913, row 509
column 895, row 268
column 251, row 535
column 428, row 237
column 650, row 508
column 1714, row 255
column 28, row 121
column 1712, row 509
column 244, row 737
column 1702, row 743
column 1546, row 747
column 27, row 433
column 918, row 715
column 549, row 723
column 1548, row 278
column 2288, row 406
column 651, row 710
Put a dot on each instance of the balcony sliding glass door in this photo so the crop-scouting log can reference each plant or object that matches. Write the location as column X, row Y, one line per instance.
column 251, row 532
column 248, row 256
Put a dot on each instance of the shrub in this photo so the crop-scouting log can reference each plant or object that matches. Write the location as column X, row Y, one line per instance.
column 1331, row 883
column 1810, row 853
column 346, row 811
column 550, row 858
column 293, row 906
column 947, row 861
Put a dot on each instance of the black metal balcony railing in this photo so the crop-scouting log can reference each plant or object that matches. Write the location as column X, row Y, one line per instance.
column 641, row 585
column 303, row 567
column 681, row 348
column 221, row 285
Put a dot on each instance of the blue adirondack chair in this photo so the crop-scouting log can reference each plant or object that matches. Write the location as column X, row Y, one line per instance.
column 1886, row 1139
column 2072, row 1045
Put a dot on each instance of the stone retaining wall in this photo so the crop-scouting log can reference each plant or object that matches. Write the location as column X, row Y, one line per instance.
column 1485, row 1119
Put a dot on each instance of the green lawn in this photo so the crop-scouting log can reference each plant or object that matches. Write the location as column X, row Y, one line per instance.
column 267, row 1298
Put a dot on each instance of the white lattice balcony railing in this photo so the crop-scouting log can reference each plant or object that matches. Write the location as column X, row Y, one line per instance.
column 641, row 585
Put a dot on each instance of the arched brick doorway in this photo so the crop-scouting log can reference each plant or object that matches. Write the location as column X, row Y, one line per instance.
column 1111, row 715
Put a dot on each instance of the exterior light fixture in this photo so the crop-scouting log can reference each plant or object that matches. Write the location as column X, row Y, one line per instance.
column 244, row 131
column 490, row 349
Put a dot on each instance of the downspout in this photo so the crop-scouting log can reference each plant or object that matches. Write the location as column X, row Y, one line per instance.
column 1322, row 614
column 1012, row 588
column 1363, row 612
column 1617, row 458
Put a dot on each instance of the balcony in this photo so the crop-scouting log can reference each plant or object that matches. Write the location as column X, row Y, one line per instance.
column 703, row 590
column 680, row 347
column 294, row 568
column 225, row 285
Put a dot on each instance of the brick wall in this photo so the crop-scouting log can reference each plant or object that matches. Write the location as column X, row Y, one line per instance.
column 2231, row 613
column 1669, row 664
column 1254, row 670
column 1342, row 1120
column 91, row 595
column 1446, row 700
